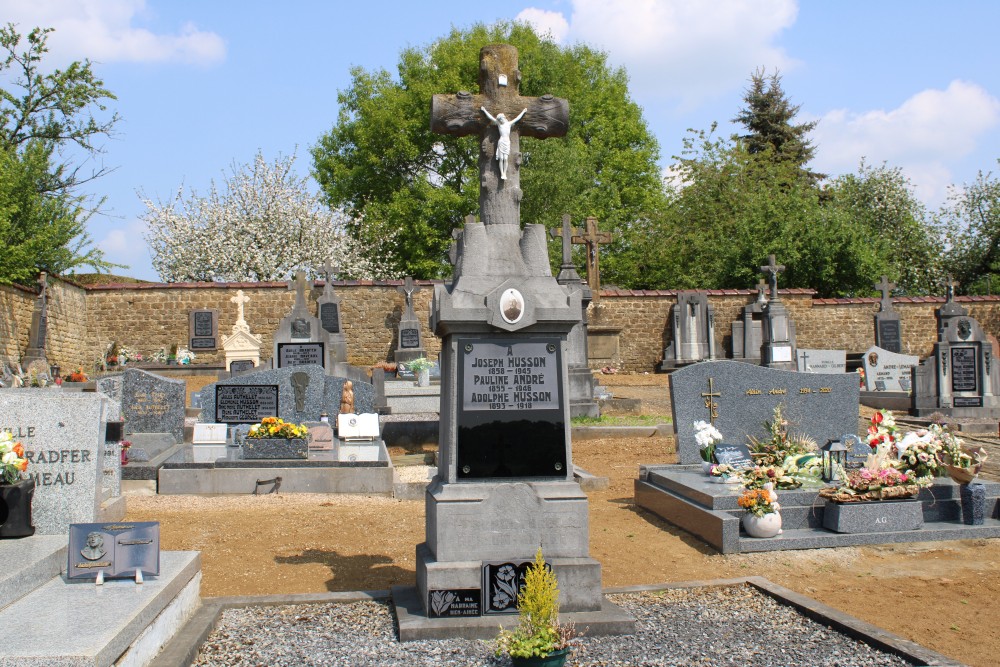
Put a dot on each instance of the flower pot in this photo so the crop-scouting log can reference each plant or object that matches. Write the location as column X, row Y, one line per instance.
column 275, row 448
column 706, row 466
column 973, row 504
column 15, row 509
column 768, row 525
column 424, row 377
column 554, row 659
column 124, row 456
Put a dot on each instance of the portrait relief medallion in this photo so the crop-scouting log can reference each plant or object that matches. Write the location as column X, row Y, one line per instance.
column 511, row 306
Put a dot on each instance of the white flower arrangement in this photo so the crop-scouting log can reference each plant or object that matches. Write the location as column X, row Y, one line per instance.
column 706, row 435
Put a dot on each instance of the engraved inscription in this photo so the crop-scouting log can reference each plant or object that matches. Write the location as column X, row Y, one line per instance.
column 519, row 376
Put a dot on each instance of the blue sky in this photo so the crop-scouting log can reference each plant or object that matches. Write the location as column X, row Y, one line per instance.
column 202, row 85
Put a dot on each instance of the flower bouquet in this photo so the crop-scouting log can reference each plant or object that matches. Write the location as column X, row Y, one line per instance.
column 12, row 459
column 918, row 454
column 882, row 430
column 707, row 437
column 877, row 480
column 961, row 462
column 723, row 473
column 759, row 501
column 758, row 476
column 274, row 427
column 77, row 376
column 782, row 444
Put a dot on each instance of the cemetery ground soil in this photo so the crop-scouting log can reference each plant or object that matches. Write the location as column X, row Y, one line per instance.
column 942, row 595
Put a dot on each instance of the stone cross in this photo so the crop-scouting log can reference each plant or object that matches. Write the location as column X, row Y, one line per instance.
column 805, row 359
column 762, row 291
column 300, row 289
column 773, row 269
column 239, row 300
column 593, row 240
column 950, row 284
column 329, row 270
column 40, row 319
column 886, row 288
column 461, row 114
column 408, row 288
column 567, row 233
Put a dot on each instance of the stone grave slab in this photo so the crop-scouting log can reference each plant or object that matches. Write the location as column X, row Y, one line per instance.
column 821, row 361
column 63, row 438
column 738, row 398
column 888, row 371
column 153, row 404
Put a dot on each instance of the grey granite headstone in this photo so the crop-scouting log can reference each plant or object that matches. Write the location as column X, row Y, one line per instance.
column 153, row 404
column 63, row 438
column 111, row 386
column 821, row 361
column 740, row 397
column 888, row 371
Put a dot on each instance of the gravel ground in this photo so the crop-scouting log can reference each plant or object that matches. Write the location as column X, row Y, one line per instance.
column 732, row 626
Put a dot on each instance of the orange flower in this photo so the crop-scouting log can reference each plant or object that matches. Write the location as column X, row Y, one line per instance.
column 18, row 449
column 24, row 465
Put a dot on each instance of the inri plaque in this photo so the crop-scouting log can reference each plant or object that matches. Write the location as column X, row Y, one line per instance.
column 510, row 417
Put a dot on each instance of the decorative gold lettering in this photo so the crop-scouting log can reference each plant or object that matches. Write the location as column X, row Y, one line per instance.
column 825, row 390
column 753, row 392
column 778, row 392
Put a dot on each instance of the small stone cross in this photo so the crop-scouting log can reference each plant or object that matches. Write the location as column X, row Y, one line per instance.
column 886, row 288
column 773, row 270
column 805, row 360
column 330, row 270
column 239, row 300
column 950, row 284
column 461, row 114
column 408, row 288
column 593, row 240
column 566, row 233
column 299, row 286
column 762, row 291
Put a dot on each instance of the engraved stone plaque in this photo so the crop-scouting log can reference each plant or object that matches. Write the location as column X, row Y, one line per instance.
column 203, row 344
column 889, row 335
column 454, row 602
column 241, row 366
column 203, row 329
column 300, row 354
column 964, row 371
column 515, row 376
column 329, row 317
column 501, row 584
column 245, row 403
column 409, row 338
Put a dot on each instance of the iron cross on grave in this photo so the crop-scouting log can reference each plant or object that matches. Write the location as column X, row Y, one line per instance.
column 773, row 269
column 710, row 403
column 408, row 288
column 462, row 114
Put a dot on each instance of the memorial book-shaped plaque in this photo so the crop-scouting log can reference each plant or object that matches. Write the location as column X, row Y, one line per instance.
column 245, row 403
column 117, row 549
column 737, row 456
column 502, row 581
column 510, row 418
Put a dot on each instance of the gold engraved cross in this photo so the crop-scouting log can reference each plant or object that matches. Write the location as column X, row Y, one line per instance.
column 710, row 404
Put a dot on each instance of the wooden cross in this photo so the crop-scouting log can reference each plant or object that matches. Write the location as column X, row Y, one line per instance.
column 299, row 286
column 886, row 288
column 408, row 288
column 593, row 239
column 239, row 300
column 711, row 405
column 773, row 270
column 461, row 114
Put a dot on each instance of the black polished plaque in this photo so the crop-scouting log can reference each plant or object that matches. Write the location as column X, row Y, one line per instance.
column 889, row 335
column 737, row 456
column 117, row 549
column 409, row 338
column 203, row 344
column 501, row 584
column 329, row 317
column 245, row 403
column 964, row 370
column 454, row 602
column 202, row 323
column 510, row 417
column 300, row 354
column 241, row 366
column 967, row 402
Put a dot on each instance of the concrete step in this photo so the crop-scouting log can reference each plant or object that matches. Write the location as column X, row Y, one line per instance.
column 79, row 624
column 29, row 562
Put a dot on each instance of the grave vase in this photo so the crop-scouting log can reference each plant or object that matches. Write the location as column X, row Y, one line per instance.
column 973, row 503
column 424, row 377
column 768, row 525
column 554, row 659
column 15, row 509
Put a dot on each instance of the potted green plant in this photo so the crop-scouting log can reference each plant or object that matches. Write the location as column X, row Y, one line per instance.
column 421, row 367
column 539, row 639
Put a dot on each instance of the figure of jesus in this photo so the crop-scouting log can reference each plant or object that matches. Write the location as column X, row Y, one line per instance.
column 503, row 145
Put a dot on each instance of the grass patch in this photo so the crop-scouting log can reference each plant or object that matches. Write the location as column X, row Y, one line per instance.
column 624, row 420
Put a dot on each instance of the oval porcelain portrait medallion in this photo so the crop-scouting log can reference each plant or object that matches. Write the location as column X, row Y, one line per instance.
column 511, row 306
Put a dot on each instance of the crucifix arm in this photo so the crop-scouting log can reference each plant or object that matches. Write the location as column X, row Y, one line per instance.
column 519, row 116
column 489, row 115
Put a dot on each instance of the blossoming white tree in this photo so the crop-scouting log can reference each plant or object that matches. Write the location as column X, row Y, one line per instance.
column 263, row 224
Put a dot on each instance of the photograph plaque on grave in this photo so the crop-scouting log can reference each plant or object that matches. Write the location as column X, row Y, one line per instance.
column 300, row 354
column 509, row 418
column 117, row 549
column 245, row 403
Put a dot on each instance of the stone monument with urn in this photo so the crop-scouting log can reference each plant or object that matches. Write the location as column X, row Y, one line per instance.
column 505, row 484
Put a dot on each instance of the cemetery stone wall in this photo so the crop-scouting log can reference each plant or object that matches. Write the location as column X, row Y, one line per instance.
column 16, row 304
column 67, row 343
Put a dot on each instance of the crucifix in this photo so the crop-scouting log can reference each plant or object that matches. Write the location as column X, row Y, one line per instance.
column 239, row 300
column 462, row 114
column 773, row 270
column 710, row 404
column 886, row 288
column 949, row 285
column 408, row 288
column 329, row 270
column 593, row 239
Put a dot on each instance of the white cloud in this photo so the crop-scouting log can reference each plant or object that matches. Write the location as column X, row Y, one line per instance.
column 105, row 31
column 924, row 135
column 680, row 49
column 545, row 22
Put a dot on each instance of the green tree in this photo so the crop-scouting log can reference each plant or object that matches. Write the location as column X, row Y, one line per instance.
column 970, row 224
column 43, row 116
column 881, row 202
column 384, row 167
column 767, row 117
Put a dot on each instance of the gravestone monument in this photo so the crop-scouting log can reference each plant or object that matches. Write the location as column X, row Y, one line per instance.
column 39, row 325
column 778, row 349
column 301, row 339
column 960, row 377
column 748, row 331
column 203, row 330
column 581, row 380
column 888, row 371
column 241, row 348
column 821, row 361
column 409, row 340
column 328, row 307
column 738, row 398
column 153, row 404
column 505, row 483
column 888, row 331
column 692, row 321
